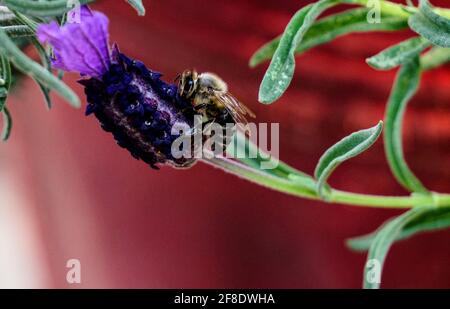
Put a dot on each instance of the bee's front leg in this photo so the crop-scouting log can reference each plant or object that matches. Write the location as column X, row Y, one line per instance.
column 207, row 125
column 196, row 108
column 200, row 106
column 199, row 128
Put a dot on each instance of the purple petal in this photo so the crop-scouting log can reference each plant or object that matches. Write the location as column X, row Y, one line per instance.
column 80, row 47
column 85, row 11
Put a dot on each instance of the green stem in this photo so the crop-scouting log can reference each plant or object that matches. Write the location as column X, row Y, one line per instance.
column 355, row 199
column 395, row 9
column 387, row 8
column 295, row 188
column 436, row 57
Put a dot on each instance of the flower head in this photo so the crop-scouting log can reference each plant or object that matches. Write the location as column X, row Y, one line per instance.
column 129, row 100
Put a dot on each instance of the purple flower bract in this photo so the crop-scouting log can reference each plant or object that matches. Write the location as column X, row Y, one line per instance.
column 79, row 47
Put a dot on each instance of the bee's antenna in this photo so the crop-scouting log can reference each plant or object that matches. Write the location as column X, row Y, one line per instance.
column 177, row 78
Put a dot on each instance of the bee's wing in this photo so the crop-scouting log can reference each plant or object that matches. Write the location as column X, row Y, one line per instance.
column 237, row 109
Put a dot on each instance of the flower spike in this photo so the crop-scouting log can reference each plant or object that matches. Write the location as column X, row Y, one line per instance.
column 129, row 100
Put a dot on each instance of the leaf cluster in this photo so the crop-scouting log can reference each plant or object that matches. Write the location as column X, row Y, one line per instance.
column 428, row 49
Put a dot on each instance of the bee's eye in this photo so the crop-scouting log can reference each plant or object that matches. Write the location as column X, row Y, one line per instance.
column 190, row 84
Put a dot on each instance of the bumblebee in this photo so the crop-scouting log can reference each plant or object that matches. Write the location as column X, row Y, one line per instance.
column 209, row 97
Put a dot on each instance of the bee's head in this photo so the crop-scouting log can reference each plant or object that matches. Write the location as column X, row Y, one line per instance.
column 188, row 83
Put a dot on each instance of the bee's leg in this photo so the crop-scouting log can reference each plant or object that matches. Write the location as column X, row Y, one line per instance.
column 177, row 78
column 192, row 131
column 195, row 108
column 184, row 110
column 207, row 125
column 200, row 106
column 223, row 144
column 199, row 129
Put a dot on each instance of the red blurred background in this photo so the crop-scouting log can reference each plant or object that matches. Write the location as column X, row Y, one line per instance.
column 69, row 192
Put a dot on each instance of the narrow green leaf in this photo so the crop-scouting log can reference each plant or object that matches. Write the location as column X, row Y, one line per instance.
column 29, row 67
column 281, row 70
column 18, row 31
column 345, row 149
column 329, row 28
column 5, row 80
column 7, row 124
column 430, row 25
column 46, row 92
column 26, row 21
column 429, row 11
column 433, row 220
column 62, row 20
column 5, row 72
column 60, row 74
column 405, row 86
column 2, row 101
column 251, row 155
column 47, row 63
column 434, row 58
column 139, row 7
column 384, row 240
column 260, row 177
column 43, row 8
column 398, row 54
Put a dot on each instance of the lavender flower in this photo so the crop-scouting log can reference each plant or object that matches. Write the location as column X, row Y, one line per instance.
column 129, row 100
